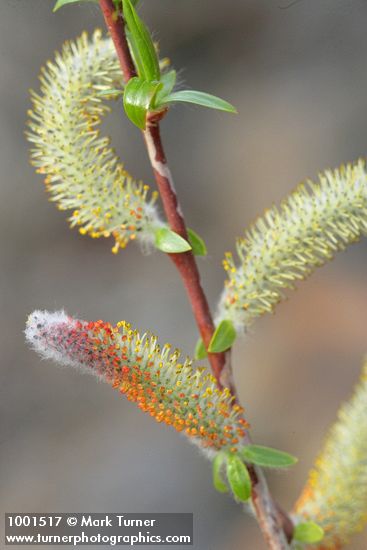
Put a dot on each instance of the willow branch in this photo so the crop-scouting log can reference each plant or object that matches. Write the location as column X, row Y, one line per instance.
column 272, row 521
column 185, row 262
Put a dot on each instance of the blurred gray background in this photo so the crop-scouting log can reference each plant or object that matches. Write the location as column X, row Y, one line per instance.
column 297, row 74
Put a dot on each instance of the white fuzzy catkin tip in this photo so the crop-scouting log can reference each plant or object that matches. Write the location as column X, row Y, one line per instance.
column 40, row 323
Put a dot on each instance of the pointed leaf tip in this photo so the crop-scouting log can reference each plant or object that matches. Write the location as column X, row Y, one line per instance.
column 197, row 243
column 60, row 3
column 267, row 457
column 223, row 337
column 170, row 242
column 200, row 351
column 200, row 98
column 110, row 93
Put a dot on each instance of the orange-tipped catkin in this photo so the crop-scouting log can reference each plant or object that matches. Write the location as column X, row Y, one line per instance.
column 153, row 378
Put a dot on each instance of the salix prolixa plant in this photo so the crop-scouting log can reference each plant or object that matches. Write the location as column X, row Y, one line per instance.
column 85, row 177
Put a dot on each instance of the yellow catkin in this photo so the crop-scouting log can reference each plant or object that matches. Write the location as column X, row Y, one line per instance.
column 289, row 242
column 82, row 172
column 335, row 495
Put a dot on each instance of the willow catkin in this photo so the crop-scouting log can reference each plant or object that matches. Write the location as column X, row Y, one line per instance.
column 169, row 390
column 82, row 172
column 288, row 243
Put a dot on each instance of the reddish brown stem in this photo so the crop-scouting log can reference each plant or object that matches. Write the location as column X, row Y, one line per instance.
column 185, row 262
column 115, row 25
column 271, row 519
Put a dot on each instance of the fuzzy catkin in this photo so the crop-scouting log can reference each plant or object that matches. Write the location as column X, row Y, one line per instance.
column 335, row 495
column 82, row 172
column 289, row 242
column 153, row 378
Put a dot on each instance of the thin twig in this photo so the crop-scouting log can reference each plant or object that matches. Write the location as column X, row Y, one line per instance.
column 116, row 28
column 276, row 526
column 272, row 521
column 185, row 262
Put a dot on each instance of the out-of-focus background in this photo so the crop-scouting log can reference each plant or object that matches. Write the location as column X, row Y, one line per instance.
column 297, row 73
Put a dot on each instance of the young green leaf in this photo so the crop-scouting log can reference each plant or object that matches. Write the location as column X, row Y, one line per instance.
column 111, row 92
column 267, row 457
column 60, row 3
column 118, row 3
column 168, row 80
column 200, row 98
column 143, row 50
column 197, row 244
column 308, row 532
column 223, row 337
column 168, row 241
column 200, row 351
column 218, row 482
column 238, row 478
column 139, row 99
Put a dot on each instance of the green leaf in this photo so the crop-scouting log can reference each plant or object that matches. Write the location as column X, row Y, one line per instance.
column 218, row 482
column 200, row 351
column 223, row 337
column 134, row 2
column 168, row 80
column 118, row 3
column 111, row 92
column 168, row 241
column 200, row 98
column 238, row 478
column 60, row 3
column 197, row 244
column 139, row 99
column 308, row 532
column 267, row 457
column 143, row 50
